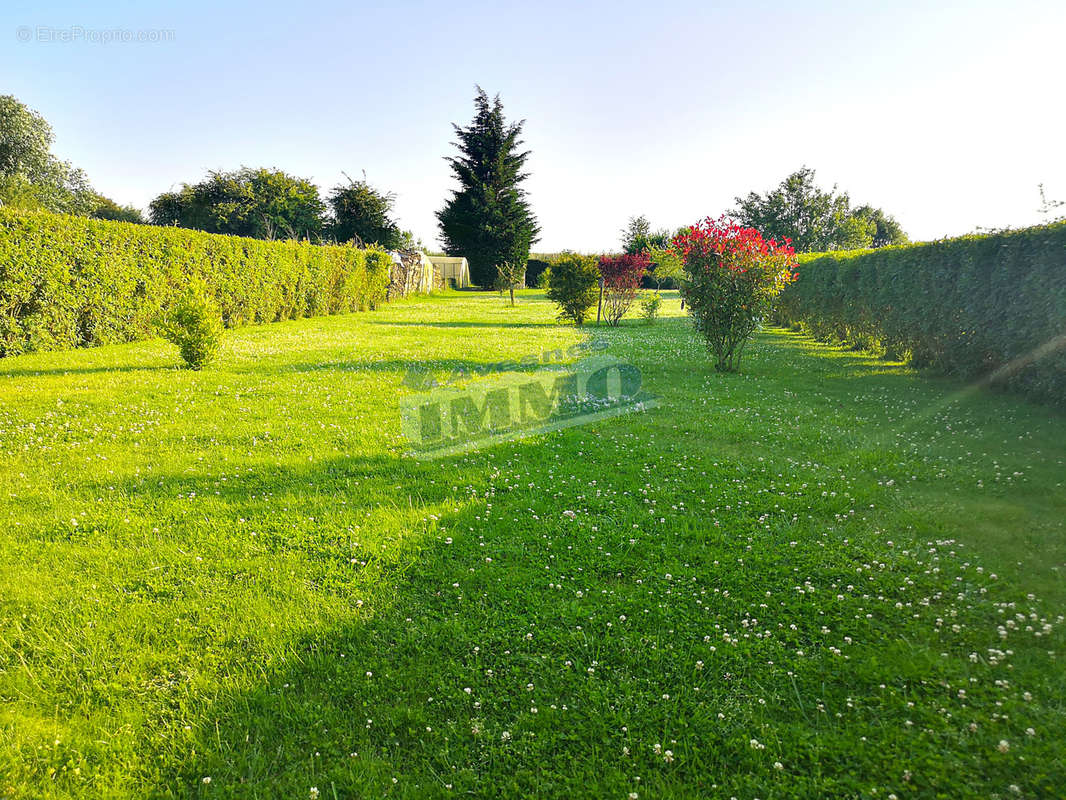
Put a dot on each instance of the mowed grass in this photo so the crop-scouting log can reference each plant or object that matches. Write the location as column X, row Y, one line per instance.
column 825, row 576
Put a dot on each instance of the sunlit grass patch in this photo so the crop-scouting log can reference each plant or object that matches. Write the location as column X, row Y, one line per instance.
column 801, row 580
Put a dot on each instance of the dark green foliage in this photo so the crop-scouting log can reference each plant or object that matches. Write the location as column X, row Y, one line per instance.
column 886, row 231
column 987, row 307
column 638, row 237
column 535, row 267
column 815, row 220
column 72, row 282
column 106, row 208
column 574, row 282
column 195, row 326
column 488, row 219
column 361, row 214
column 258, row 203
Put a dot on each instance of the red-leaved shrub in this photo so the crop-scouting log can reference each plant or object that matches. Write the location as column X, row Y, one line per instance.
column 621, row 280
column 732, row 276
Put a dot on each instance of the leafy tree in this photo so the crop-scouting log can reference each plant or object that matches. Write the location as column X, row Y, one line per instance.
column 488, row 219
column 260, row 203
column 796, row 210
column 30, row 176
column 815, row 220
column 106, row 208
column 886, row 230
column 666, row 266
column 361, row 213
column 509, row 276
column 854, row 233
column 638, row 237
column 408, row 241
column 572, row 286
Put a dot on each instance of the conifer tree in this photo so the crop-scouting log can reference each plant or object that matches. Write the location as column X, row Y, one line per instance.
column 488, row 219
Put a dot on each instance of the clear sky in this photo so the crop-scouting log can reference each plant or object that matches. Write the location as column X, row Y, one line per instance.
column 947, row 115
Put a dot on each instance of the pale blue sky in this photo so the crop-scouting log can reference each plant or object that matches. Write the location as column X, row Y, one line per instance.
column 947, row 115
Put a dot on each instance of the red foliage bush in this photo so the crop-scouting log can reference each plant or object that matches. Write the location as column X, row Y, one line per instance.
column 732, row 276
column 621, row 280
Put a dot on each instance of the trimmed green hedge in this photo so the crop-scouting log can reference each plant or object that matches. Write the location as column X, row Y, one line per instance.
column 70, row 281
column 987, row 307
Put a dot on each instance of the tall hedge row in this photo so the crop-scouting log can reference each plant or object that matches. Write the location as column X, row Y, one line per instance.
column 69, row 281
column 980, row 307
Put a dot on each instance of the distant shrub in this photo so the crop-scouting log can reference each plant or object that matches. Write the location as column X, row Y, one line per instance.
column 732, row 276
column 535, row 267
column 650, row 305
column 75, row 282
column 574, row 281
column 621, row 280
column 989, row 307
column 195, row 326
column 544, row 279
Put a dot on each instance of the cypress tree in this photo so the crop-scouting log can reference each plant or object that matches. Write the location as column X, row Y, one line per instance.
column 488, row 219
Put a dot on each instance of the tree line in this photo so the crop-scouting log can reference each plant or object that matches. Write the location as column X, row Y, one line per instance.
column 812, row 219
column 487, row 219
column 258, row 202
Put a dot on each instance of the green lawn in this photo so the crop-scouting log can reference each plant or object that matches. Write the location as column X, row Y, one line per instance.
column 825, row 576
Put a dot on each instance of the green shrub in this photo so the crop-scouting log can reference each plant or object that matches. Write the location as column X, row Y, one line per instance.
column 650, row 305
column 544, row 279
column 574, row 281
column 74, row 282
column 195, row 326
column 991, row 307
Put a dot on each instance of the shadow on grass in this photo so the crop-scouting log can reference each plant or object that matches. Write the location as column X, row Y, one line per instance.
column 376, row 692
column 457, row 324
column 392, row 688
column 27, row 372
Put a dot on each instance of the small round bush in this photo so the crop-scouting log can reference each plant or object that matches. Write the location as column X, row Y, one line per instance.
column 650, row 305
column 572, row 287
column 194, row 324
